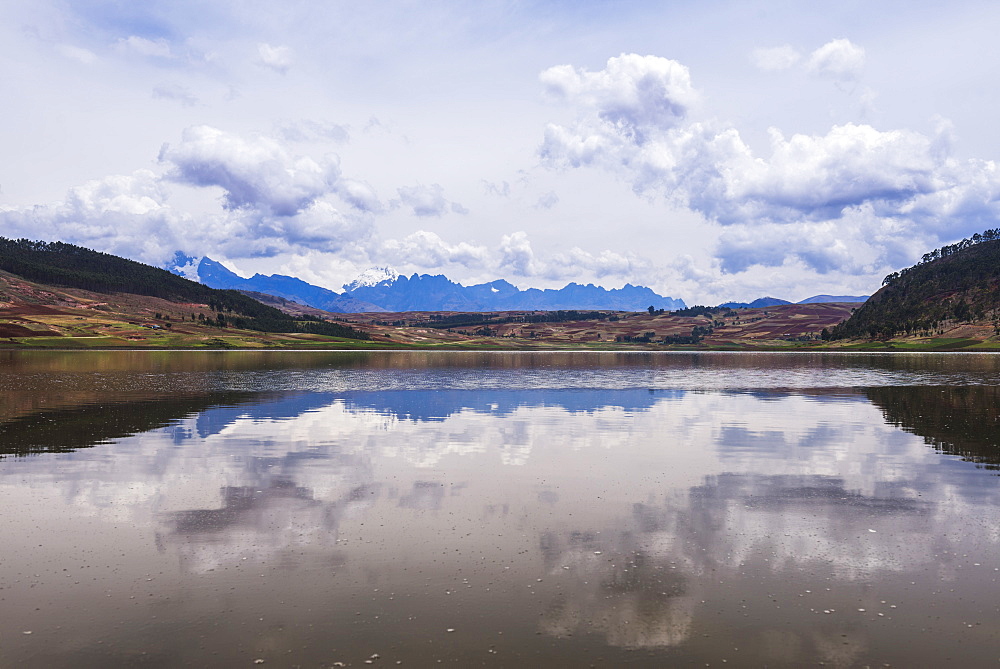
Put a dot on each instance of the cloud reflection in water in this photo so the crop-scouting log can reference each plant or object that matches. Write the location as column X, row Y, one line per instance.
column 647, row 507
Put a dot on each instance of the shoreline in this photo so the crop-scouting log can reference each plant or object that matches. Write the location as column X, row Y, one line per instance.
column 967, row 346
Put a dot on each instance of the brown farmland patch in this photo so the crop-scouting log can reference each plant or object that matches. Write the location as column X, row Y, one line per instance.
column 30, row 310
column 13, row 330
column 772, row 324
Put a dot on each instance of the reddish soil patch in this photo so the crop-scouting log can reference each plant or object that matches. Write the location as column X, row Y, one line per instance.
column 793, row 321
column 11, row 330
column 30, row 310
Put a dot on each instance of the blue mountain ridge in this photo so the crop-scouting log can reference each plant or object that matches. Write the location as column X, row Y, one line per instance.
column 816, row 299
column 429, row 405
column 759, row 302
column 424, row 292
column 215, row 275
column 774, row 301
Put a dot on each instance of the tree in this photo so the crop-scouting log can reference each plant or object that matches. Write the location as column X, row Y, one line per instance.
column 651, row 309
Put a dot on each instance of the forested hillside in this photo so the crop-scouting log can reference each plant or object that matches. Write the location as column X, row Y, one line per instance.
column 69, row 266
column 959, row 283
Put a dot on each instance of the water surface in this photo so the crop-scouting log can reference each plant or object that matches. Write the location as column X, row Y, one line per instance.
column 515, row 509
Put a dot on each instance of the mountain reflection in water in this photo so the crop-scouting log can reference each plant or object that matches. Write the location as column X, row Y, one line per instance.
column 563, row 526
column 958, row 420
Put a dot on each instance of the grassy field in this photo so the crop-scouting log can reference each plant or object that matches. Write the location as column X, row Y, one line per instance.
column 929, row 344
column 70, row 331
column 43, row 317
column 247, row 340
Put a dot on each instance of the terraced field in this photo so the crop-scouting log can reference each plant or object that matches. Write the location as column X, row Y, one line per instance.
column 39, row 316
column 770, row 326
column 32, row 315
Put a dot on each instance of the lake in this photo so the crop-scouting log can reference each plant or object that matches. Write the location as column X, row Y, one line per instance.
column 322, row 509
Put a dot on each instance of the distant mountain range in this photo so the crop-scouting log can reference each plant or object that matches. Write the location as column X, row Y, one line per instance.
column 422, row 292
column 382, row 289
column 774, row 301
column 215, row 275
column 759, row 302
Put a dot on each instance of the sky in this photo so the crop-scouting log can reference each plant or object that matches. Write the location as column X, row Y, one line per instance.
column 712, row 151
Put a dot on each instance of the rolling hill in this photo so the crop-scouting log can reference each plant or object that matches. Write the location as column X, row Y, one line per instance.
column 955, row 285
column 58, row 295
column 67, row 266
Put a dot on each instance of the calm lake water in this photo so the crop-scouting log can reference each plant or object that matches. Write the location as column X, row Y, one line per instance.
column 507, row 510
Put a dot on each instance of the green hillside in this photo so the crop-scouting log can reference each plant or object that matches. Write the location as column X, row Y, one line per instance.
column 69, row 266
column 959, row 283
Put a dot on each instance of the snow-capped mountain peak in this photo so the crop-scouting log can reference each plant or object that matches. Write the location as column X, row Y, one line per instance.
column 373, row 277
column 185, row 266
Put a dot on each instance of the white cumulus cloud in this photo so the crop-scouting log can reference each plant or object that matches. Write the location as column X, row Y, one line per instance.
column 256, row 173
column 577, row 262
column 122, row 214
column 517, row 256
column 838, row 59
column 426, row 249
column 814, row 185
column 633, row 93
column 359, row 195
column 274, row 202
